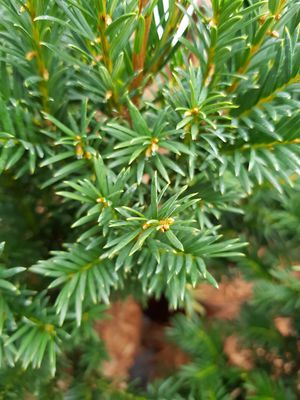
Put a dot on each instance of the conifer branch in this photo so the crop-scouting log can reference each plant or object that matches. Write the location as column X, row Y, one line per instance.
column 267, row 23
column 272, row 96
column 123, row 191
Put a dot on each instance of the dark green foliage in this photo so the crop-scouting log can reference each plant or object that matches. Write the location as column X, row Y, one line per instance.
column 140, row 145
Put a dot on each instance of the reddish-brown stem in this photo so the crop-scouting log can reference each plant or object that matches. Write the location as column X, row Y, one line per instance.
column 139, row 58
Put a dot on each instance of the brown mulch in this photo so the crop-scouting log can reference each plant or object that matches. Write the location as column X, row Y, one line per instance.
column 121, row 332
column 137, row 346
column 224, row 303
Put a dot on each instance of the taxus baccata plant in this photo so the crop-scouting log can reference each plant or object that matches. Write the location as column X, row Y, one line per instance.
column 143, row 144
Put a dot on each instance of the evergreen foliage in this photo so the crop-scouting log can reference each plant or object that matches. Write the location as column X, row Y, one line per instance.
column 145, row 146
